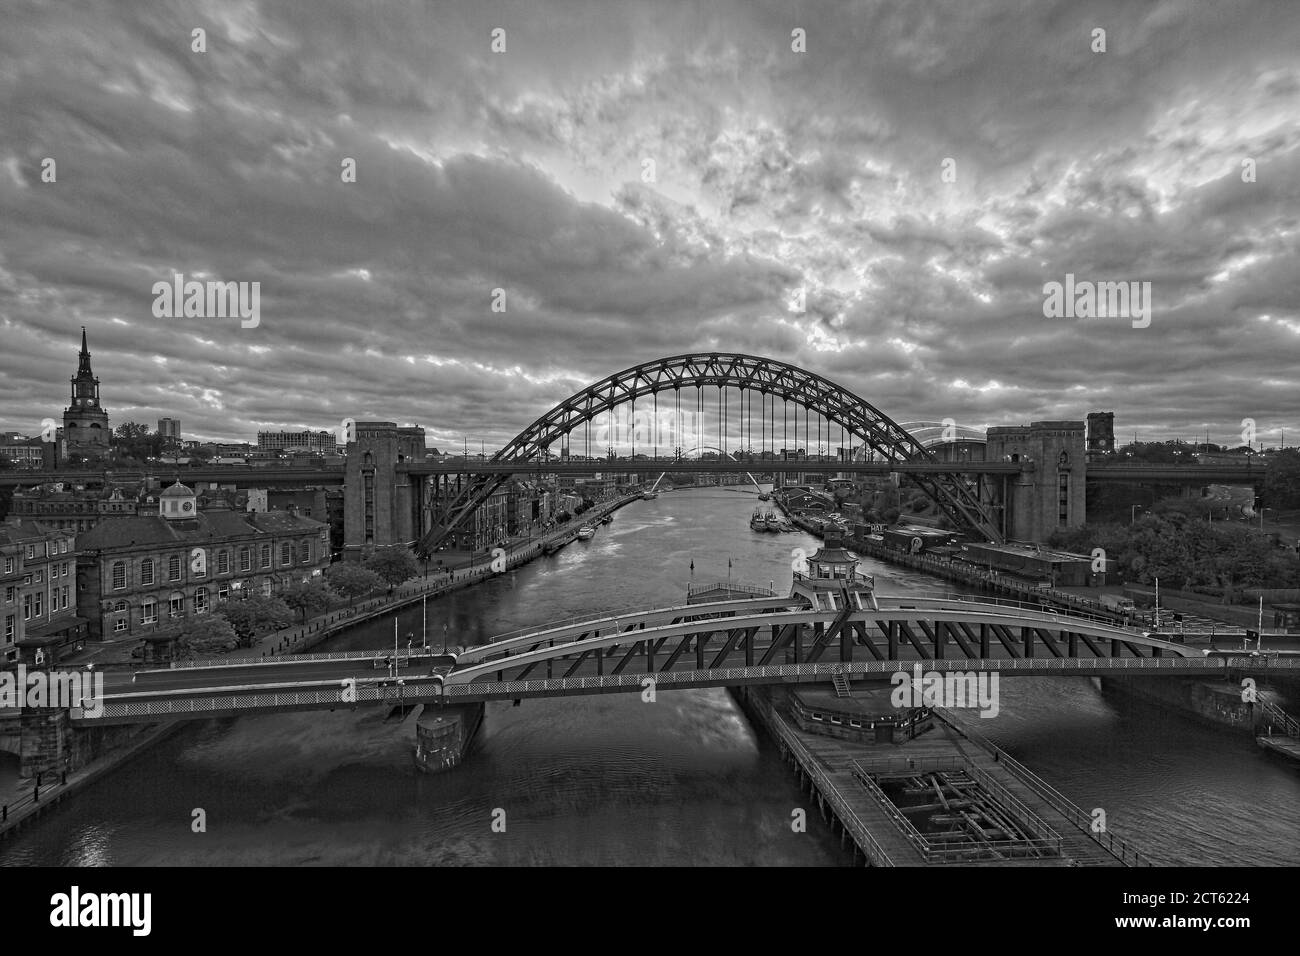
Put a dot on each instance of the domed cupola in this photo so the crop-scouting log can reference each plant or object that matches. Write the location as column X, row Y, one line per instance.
column 178, row 503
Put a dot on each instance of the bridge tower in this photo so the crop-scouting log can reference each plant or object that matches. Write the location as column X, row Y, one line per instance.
column 379, row 503
column 1048, row 494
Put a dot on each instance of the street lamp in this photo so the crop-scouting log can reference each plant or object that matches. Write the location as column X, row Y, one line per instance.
column 1157, row 604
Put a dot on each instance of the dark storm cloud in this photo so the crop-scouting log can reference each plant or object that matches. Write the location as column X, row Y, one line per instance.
column 770, row 173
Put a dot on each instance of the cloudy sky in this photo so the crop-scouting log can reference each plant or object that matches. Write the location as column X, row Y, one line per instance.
column 645, row 179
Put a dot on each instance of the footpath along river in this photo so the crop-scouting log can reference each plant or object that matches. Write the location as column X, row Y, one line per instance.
column 613, row 780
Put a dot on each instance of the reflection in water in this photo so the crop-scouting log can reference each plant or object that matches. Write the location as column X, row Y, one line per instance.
column 613, row 780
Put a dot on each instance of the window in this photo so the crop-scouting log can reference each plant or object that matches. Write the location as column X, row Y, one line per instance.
column 286, row 557
column 63, row 597
column 266, row 587
column 148, row 611
column 37, row 611
column 266, row 555
column 223, row 591
column 119, row 606
column 119, row 575
column 9, row 595
column 31, row 551
column 146, row 572
column 200, row 600
column 1063, row 500
column 304, row 552
column 177, row 604
column 11, row 625
column 245, row 560
column 9, row 565
column 223, row 562
column 63, row 546
column 119, row 624
column 40, row 576
column 174, row 568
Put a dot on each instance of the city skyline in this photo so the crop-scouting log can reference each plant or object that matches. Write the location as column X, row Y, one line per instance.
column 640, row 186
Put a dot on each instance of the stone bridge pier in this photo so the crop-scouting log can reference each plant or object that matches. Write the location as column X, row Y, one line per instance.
column 45, row 740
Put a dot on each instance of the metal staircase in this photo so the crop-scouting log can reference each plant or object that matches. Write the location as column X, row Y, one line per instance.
column 841, row 682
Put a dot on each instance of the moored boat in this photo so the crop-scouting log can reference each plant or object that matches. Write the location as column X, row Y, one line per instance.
column 586, row 533
column 757, row 522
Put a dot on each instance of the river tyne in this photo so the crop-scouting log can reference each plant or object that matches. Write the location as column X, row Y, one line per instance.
column 612, row 780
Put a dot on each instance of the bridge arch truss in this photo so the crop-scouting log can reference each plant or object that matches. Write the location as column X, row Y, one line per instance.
column 835, row 404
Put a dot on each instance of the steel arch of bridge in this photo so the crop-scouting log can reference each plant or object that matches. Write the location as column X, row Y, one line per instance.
column 767, row 376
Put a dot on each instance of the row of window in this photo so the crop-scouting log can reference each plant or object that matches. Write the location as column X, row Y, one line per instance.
column 306, row 552
column 56, row 571
column 176, row 603
column 51, row 548
column 33, row 602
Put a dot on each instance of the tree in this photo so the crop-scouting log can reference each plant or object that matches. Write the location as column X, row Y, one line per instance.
column 131, row 431
column 254, row 615
column 204, row 636
column 134, row 443
column 393, row 564
column 304, row 596
column 1282, row 480
column 352, row 580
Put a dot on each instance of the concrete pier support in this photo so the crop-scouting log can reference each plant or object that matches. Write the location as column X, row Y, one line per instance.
column 45, row 741
column 443, row 735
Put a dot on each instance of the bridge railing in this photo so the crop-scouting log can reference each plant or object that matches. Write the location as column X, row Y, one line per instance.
column 237, row 700
column 283, row 659
column 743, row 587
column 968, row 599
column 1062, row 804
column 598, row 619
column 1275, row 715
column 847, row 815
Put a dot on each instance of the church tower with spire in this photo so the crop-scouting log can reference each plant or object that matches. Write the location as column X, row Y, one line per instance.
column 85, row 423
